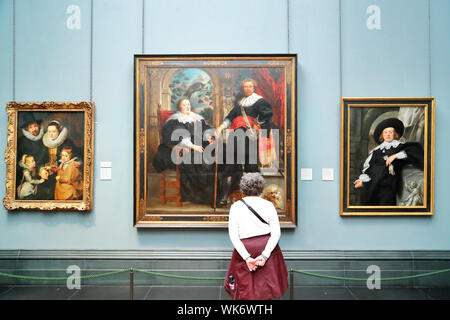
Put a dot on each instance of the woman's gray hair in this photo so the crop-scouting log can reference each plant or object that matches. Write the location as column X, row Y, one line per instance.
column 252, row 184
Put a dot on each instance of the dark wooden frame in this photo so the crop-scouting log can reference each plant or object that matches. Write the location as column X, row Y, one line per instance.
column 346, row 179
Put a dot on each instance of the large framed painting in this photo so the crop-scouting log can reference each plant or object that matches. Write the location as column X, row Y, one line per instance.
column 49, row 156
column 201, row 123
column 387, row 156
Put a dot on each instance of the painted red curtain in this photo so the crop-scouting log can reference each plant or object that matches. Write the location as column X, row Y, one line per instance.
column 273, row 92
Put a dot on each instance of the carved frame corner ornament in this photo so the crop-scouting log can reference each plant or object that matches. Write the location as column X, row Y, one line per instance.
column 11, row 201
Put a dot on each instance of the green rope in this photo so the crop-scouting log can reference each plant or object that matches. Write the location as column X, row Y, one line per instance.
column 363, row 279
column 214, row 278
column 177, row 276
column 62, row 278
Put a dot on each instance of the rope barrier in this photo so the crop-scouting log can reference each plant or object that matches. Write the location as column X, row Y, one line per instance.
column 365, row 279
column 177, row 276
column 107, row 274
column 158, row 274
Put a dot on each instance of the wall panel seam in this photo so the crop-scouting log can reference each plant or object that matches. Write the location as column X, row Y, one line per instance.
column 14, row 52
column 429, row 46
column 288, row 27
column 340, row 48
column 143, row 26
column 91, row 82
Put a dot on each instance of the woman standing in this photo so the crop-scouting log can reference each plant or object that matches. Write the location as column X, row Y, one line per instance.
column 257, row 270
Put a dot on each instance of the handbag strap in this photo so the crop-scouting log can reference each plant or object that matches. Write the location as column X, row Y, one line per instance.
column 254, row 212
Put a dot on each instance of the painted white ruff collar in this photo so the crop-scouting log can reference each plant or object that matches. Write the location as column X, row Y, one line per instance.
column 387, row 145
column 185, row 118
column 250, row 100
column 23, row 165
column 49, row 143
column 63, row 165
column 32, row 137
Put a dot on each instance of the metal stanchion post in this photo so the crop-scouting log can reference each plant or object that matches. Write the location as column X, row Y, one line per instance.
column 131, row 283
column 291, row 284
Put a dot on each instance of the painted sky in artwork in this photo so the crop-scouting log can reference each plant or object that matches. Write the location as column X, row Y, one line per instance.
column 194, row 84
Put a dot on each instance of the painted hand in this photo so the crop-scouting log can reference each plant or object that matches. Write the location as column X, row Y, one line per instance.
column 219, row 130
column 358, row 183
column 390, row 159
column 197, row 148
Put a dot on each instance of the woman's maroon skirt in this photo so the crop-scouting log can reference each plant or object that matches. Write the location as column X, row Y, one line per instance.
column 266, row 282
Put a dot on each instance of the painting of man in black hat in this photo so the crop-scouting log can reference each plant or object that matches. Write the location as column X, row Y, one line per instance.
column 29, row 141
column 30, row 137
column 381, row 176
column 387, row 156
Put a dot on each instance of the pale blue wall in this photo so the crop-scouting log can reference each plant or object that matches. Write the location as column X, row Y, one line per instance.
column 338, row 56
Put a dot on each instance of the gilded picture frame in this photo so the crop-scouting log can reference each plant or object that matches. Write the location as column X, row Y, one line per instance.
column 387, row 156
column 212, row 85
column 49, row 156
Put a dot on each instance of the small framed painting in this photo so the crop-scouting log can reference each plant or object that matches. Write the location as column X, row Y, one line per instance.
column 49, row 156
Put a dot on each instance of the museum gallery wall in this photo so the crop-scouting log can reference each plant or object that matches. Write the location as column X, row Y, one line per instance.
column 54, row 68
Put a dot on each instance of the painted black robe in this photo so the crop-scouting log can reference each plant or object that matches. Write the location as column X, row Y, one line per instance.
column 261, row 112
column 383, row 187
column 197, row 180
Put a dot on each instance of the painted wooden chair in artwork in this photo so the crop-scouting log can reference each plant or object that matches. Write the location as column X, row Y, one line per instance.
column 169, row 178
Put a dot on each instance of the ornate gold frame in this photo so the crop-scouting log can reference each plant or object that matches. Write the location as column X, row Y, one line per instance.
column 145, row 68
column 345, row 208
column 13, row 108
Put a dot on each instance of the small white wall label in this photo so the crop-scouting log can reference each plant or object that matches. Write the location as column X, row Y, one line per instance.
column 105, row 170
column 327, row 174
column 306, row 173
